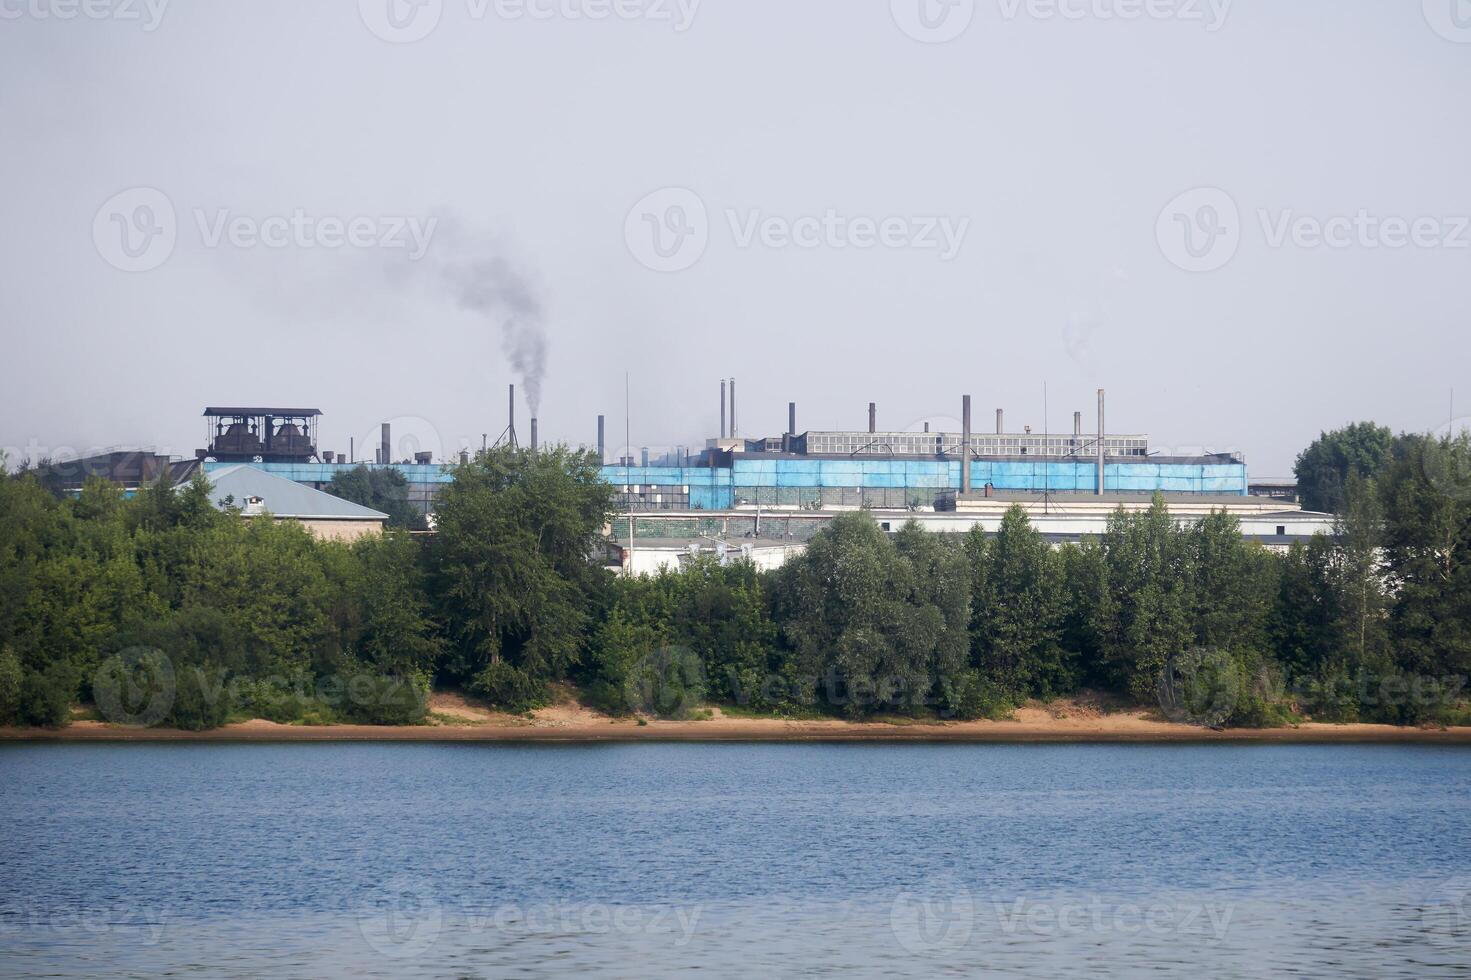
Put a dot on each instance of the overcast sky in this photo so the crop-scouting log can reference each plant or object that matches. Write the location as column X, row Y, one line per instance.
column 1245, row 220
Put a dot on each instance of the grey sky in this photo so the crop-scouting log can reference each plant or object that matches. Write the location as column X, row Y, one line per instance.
column 1053, row 142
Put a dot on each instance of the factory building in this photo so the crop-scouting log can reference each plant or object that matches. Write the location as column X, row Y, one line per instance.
column 820, row 470
column 771, row 493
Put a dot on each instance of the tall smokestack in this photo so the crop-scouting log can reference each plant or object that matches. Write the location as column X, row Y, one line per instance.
column 533, row 433
column 644, row 457
column 722, row 408
column 733, row 429
column 387, row 443
column 791, row 418
column 873, row 418
column 965, row 444
column 601, row 458
column 1077, row 425
column 1000, row 421
column 1101, row 431
column 511, row 416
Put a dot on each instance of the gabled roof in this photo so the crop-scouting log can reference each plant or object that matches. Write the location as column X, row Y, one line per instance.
column 282, row 497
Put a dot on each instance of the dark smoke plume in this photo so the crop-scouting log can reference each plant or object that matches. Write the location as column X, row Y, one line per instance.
column 493, row 288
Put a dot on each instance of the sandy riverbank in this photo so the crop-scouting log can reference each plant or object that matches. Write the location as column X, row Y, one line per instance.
column 457, row 721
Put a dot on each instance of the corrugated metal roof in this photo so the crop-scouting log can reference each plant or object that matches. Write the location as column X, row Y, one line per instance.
column 284, row 498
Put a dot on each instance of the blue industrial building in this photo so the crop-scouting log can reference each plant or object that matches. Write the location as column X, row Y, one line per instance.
column 814, row 483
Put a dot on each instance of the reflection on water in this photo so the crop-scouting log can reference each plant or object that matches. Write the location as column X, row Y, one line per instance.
column 409, row 860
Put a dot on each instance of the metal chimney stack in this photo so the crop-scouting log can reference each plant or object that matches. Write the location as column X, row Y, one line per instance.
column 644, row 457
column 511, row 415
column 722, row 408
column 1077, row 425
column 1000, row 421
column 601, row 458
column 873, row 418
column 791, row 418
column 733, row 429
column 1101, row 431
column 533, row 433
column 387, row 443
column 965, row 444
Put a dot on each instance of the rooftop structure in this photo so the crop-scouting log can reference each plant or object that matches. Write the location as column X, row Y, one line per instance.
column 255, row 491
column 266, row 435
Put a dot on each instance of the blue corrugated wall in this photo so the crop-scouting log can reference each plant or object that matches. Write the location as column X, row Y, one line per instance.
column 713, row 489
column 716, row 489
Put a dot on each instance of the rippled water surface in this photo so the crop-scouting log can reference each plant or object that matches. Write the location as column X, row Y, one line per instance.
column 638, row 860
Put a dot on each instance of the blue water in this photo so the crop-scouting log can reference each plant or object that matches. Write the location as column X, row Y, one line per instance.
column 639, row 860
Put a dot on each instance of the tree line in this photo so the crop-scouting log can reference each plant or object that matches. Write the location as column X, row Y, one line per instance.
column 162, row 608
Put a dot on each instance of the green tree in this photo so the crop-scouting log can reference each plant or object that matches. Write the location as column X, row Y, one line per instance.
column 1323, row 468
column 868, row 623
column 514, row 561
column 381, row 488
column 1019, row 614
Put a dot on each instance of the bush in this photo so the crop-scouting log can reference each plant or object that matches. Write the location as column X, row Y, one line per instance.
column 284, row 701
column 46, row 696
column 383, row 700
column 969, row 695
column 668, row 683
column 510, row 688
column 11, row 679
column 200, row 700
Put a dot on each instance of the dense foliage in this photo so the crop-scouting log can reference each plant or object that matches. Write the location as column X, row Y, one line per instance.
column 161, row 609
column 384, row 490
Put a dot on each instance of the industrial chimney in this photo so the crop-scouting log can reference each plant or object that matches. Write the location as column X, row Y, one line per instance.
column 533, row 433
column 1077, row 425
column 873, row 417
column 964, row 444
column 1101, row 431
column 511, row 415
column 791, row 418
column 722, row 408
column 733, row 429
column 1000, row 421
column 601, row 458
column 387, row 443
